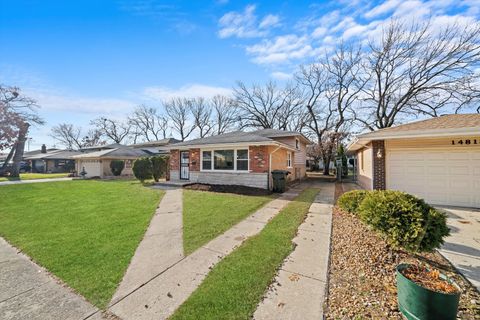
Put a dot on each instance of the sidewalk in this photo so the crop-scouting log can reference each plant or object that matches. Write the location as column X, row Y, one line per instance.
column 27, row 291
column 299, row 289
column 164, row 293
column 6, row 183
column 161, row 247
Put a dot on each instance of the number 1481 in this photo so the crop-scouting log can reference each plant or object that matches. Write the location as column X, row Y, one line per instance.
column 466, row 141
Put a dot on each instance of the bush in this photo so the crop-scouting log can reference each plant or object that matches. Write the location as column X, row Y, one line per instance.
column 117, row 167
column 142, row 169
column 159, row 166
column 405, row 220
column 349, row 201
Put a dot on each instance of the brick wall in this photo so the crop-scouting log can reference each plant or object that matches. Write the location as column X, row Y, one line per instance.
column 194, row 159
column 174, row 160
column 258, row 159
column 379, row 173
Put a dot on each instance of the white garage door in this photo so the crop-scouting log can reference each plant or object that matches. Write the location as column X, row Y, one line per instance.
column 440, row 177
column 92, row 167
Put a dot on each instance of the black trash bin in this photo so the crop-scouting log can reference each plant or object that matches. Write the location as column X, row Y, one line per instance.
column 279, row 178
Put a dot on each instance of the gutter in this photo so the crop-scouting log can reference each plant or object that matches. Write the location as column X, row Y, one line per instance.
column 270, row 166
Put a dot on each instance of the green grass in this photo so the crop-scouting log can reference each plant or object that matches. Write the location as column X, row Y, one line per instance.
column 84, row 232
column 207, row 215
column 35, row 176
column 236, row 284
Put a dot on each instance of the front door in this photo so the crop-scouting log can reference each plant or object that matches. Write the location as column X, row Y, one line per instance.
column 184, row 165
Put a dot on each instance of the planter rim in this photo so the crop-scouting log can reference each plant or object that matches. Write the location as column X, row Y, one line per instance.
column 402, row 266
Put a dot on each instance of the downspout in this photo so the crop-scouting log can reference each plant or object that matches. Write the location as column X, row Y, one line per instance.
column 270, row 166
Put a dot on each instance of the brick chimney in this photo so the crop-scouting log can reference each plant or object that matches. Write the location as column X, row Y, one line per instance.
column 44, row 148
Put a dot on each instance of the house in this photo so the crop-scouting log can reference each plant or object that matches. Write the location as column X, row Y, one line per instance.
column 239, row 158
column 51, row 160
column 159, row 147
column 436, row 159
column 97, row 163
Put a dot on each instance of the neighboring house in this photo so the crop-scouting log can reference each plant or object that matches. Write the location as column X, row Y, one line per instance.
column 239, row 158
column 102, row 147
column 159, row 147
column 53, row 161
column 97, row 163
column 436, row 159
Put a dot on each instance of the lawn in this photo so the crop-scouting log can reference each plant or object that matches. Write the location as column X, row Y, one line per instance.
column 84, row 232
column 35, row 176
column 236, row 284
column 207, row 215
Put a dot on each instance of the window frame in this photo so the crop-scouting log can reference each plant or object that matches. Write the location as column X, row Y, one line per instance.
column 289, row 159
column 212, row 162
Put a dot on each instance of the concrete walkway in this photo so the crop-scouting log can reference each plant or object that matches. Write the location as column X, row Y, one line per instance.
column 462, row 247
column 298, row 291
column 164, row 293
column 161, row 247
column 7, row 183
column 27, row 291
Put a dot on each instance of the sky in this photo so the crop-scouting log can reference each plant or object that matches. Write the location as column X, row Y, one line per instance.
column 85, row 59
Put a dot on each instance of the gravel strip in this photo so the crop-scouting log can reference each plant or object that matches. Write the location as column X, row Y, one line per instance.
column 362, row 274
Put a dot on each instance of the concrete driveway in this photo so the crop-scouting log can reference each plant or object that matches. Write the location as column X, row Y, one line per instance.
column 462, row 247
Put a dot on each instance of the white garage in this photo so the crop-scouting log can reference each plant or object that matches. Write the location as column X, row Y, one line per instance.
column 436, row 159
column 445, row 177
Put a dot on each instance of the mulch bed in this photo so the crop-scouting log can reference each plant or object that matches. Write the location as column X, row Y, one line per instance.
column 362, row 274
column 249, row 191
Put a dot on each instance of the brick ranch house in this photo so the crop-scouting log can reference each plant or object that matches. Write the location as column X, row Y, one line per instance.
column 436, row 159
column 239, row 158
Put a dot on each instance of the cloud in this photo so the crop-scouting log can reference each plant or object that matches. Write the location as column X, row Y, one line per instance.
column 58, row 101
column 245, row 24
column 381, row 9
column 280, row 49
column 269, row 21
column 190, row 91
column 281, row 75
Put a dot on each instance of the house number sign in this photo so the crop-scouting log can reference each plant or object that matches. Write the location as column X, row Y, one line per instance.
column 465, row 142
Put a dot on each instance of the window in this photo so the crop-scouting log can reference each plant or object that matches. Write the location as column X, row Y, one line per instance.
column 207, row 160
column 223, row 160
column 289, row 159
column 242, row 159
column 297, row 144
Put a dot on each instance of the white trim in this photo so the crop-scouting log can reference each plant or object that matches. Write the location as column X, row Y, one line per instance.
column 289, row 159
column 239, row 145
column 212, row 168
column 363, row 140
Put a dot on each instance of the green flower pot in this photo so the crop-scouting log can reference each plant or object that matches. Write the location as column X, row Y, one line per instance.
column 417, row 302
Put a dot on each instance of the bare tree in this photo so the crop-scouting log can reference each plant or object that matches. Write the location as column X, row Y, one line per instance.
column 18, row 113
column 416, row 69
column 92, row 138
column 67, row 135
column 72, row 137
column 332, row 87
column 179, row 113
column 226, row 113
column 115, row 130
column 148, row 124
column 202, row 116
column 266, row 106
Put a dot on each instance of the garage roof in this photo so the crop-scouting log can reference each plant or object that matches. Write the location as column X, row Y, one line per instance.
column 447, row 125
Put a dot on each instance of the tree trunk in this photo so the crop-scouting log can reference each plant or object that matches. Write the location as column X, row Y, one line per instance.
column 7, row 160
column 20, row 147
column 326, row 166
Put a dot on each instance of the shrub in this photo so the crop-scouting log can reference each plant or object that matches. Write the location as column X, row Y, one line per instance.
column 117, row 167
column 349, row 201
column 142, row 169
column 159, row 166
column 405, row 220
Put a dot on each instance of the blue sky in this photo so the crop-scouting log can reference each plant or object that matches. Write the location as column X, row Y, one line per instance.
column 84, row 59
